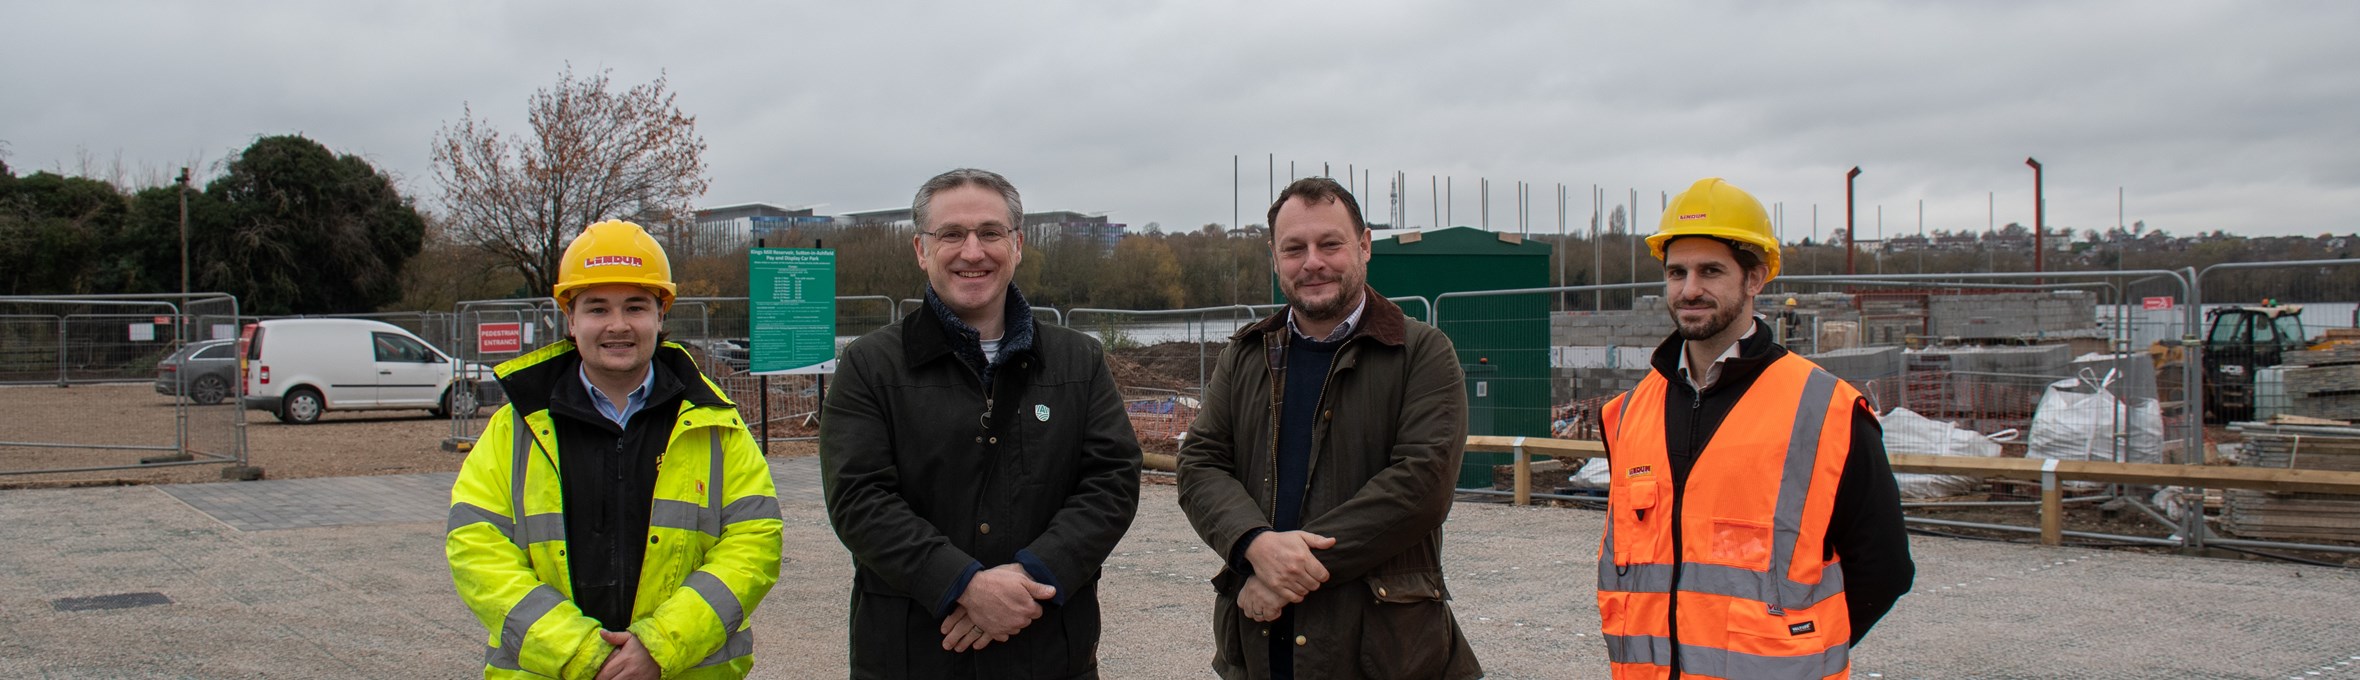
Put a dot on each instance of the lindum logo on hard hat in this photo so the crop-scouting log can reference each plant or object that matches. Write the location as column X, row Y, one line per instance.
column 1692, row 216
column 612, row 261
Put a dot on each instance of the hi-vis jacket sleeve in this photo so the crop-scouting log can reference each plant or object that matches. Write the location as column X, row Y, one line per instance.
column 709, row 614
column 534, row 628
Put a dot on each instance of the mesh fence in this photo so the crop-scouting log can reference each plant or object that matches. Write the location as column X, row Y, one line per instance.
column 181, row 349
column 2278, row 340
column 1988, row 353
column 1161, row 359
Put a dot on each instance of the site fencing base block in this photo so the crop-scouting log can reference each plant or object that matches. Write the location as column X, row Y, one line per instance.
column 241, row 473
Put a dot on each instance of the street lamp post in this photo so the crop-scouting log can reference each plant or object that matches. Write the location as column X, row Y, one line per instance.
column 2040, row 224
column 1851, row 231
column 183, row 325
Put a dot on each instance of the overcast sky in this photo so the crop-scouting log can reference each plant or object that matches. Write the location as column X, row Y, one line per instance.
column 2235, row 116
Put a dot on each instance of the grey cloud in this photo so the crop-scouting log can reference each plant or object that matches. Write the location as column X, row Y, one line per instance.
column 2211, row 115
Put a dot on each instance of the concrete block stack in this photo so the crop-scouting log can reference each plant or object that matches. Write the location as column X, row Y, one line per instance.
column 2324, row 383
column 2295, row 516
column 1619, row 328
column 1875, row 371
column 1983, row 381
column 2012, row 315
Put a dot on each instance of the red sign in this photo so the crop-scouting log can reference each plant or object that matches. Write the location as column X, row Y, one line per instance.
column 2156, row 303
column 499, row 338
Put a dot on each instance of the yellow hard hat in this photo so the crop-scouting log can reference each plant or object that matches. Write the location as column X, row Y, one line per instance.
column 1714, row 207
column 614, row 251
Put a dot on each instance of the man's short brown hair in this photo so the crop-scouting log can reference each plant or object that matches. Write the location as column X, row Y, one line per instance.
column 1747, row 255
column 1315, row 191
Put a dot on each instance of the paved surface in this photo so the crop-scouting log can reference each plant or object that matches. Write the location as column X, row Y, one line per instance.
column 345, row 577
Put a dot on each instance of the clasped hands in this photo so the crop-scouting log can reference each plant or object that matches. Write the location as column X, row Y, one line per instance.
column 1284, row 572
column 998, row 603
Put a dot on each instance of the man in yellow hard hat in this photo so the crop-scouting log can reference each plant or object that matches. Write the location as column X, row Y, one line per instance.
column 615, row 519
column 1754, row 529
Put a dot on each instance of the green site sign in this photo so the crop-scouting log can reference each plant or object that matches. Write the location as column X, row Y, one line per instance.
column 793, row 294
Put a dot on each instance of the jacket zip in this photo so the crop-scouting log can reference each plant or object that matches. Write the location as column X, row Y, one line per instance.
column 1672, row 615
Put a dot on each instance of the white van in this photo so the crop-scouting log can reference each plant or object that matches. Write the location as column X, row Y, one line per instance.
column 298, row 369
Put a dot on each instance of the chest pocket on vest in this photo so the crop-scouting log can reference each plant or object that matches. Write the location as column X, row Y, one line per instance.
column 1644, row 496
column 1740, row 543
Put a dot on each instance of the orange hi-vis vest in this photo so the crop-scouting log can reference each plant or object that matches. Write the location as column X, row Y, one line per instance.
column 1755, row 598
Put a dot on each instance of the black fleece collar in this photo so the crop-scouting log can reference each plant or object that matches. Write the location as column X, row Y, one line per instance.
column 1754, row 355
column 537, row 387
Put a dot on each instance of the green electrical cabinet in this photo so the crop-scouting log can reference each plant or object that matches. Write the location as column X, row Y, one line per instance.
column 1502, row 340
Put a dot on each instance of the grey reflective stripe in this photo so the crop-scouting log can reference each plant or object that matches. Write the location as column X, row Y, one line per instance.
column 1636, row 578
column 521, row 450
column 464, row 514
column 1794, row 484
column 1606, row 542
column 1647, row 649
column 535, row 605
column 547, row 526
column 713, row 487
column 1718, row 579
column 749, row 509
column 717, row 595
column 1623, row 415
column 1722, row 663
column 682, row 515
column 739, row 645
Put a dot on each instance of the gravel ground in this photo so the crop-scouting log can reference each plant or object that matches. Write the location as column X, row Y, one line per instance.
column 342, row 444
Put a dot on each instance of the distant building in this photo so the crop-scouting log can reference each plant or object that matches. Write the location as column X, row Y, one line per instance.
column 899, row 218
column 1054, row 225
column 732, row 228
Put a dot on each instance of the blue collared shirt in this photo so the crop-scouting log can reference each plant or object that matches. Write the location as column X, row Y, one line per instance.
column 631, row 404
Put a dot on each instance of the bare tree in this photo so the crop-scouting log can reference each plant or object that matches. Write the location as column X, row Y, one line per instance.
column 594, row 154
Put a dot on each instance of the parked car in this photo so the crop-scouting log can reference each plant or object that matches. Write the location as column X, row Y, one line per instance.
column 205, row 372
column 715, row 353
column 298, row 369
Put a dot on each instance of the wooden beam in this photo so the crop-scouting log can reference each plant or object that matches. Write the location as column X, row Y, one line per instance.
column 1573, row 448
column 1525, row 446
column 2201, row 476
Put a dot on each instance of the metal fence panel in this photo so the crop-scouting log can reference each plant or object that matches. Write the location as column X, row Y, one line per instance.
column 72, row 340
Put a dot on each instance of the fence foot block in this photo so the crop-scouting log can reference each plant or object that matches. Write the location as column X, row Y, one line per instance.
column 241, row 473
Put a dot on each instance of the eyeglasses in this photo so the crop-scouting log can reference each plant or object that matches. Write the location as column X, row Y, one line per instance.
column 991, row 236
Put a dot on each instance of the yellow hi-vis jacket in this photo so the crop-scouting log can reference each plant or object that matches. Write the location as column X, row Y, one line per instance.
column 712, row 554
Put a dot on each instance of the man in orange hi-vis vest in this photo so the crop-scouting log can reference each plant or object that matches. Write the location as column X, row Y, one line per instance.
column 1754, row 529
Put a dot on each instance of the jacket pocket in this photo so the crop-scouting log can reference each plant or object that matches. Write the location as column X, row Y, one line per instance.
column 1232, row 634
column 1758, row 628
column 1406, row 629
column 1633, row 541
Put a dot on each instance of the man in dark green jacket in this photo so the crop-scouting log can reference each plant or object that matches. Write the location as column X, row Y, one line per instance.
column 1322, row 466
column 978, row 465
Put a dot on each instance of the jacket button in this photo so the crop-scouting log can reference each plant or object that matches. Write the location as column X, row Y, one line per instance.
column 1265, row 632
column 1328, row 414
column 1300, row 641
column 655, row 539
column 978, row 440
column 984, row 528
column 995, row 440
column 1381, row 592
